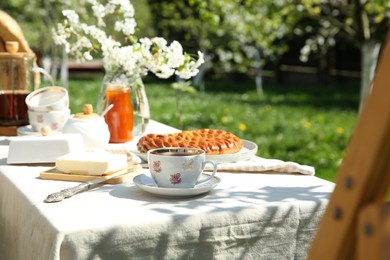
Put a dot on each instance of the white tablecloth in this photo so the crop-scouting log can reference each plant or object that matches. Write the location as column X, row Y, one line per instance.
column 247, row 216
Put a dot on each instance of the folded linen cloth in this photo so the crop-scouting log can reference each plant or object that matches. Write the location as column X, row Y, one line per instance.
column 261, row 165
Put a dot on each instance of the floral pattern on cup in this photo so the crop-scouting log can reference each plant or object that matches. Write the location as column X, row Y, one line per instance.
column 178, row 167
column 53, row 119
column 187, row 165
column 175, row 178
column 54, row 126
column 157, row 166
column 40, row 119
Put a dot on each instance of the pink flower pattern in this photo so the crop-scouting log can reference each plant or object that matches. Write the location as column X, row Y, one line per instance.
column 175, row 178
column 40, row 118
column 157, row 166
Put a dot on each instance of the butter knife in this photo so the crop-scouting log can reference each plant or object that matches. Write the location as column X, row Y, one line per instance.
column 69, row 192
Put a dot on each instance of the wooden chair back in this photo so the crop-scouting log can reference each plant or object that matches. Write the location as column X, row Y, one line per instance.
column 356, row 223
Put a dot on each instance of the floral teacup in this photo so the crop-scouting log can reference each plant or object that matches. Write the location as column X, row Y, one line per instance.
column 178, row 167
column 53, row 119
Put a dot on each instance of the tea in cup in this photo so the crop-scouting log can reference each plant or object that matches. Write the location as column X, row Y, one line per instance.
column 178, row 167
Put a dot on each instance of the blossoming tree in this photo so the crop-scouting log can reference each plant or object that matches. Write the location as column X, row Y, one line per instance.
column 135, row 57
column 364, row 23
column 234, row 35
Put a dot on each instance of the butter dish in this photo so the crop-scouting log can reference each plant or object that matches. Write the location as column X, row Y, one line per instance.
column 42, row 149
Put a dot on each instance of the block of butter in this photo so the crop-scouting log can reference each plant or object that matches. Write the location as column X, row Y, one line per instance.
column 91, row 163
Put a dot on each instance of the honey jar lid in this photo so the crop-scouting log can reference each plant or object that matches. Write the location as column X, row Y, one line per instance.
column 87, row 113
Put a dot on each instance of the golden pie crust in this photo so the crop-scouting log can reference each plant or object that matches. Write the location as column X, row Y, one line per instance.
column 212, row 141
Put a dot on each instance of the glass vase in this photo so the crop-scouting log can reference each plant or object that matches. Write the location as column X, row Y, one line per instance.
column 130, row 114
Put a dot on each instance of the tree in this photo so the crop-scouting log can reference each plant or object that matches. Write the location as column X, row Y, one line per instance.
column 363, row 22
column 236, row 35
column 38, row 17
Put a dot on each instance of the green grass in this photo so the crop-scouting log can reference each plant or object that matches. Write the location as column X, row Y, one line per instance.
column 306, row 124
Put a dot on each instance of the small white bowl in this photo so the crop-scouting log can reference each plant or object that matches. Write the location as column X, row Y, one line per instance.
column 54, row 119
column 51, row 98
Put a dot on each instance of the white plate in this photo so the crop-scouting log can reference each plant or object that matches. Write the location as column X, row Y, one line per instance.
column 146, row 183
column 249, row 150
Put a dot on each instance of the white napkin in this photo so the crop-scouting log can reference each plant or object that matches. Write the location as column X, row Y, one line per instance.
column 261, row 165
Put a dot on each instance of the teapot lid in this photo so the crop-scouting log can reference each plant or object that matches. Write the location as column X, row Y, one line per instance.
column 87, row 113
column 12, row 48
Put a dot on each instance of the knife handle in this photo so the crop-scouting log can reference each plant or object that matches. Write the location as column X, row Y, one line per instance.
column 69, row 192
column 66, row 193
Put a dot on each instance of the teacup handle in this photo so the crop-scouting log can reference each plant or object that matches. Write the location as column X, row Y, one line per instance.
column 212, row 175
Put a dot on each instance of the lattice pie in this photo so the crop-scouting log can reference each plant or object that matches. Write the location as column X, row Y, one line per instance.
column 211, row 140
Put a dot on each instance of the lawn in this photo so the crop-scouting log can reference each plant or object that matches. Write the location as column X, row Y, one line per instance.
column 306, row 124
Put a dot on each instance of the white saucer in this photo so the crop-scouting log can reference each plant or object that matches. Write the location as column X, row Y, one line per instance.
column 27, row 130
column 147, row 184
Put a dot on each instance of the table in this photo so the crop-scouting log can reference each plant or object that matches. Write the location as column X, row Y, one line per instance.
column 247, row 216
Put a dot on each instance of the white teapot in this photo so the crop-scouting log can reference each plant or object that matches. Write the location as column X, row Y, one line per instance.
column 92, row 127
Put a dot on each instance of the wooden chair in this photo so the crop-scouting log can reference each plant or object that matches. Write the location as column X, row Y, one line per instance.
column 356, row 224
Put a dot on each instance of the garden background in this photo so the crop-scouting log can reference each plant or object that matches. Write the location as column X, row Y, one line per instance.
column 287, row 75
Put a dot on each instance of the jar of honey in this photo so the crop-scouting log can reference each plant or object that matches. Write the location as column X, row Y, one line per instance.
column 129, row 115
column 120, row 118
